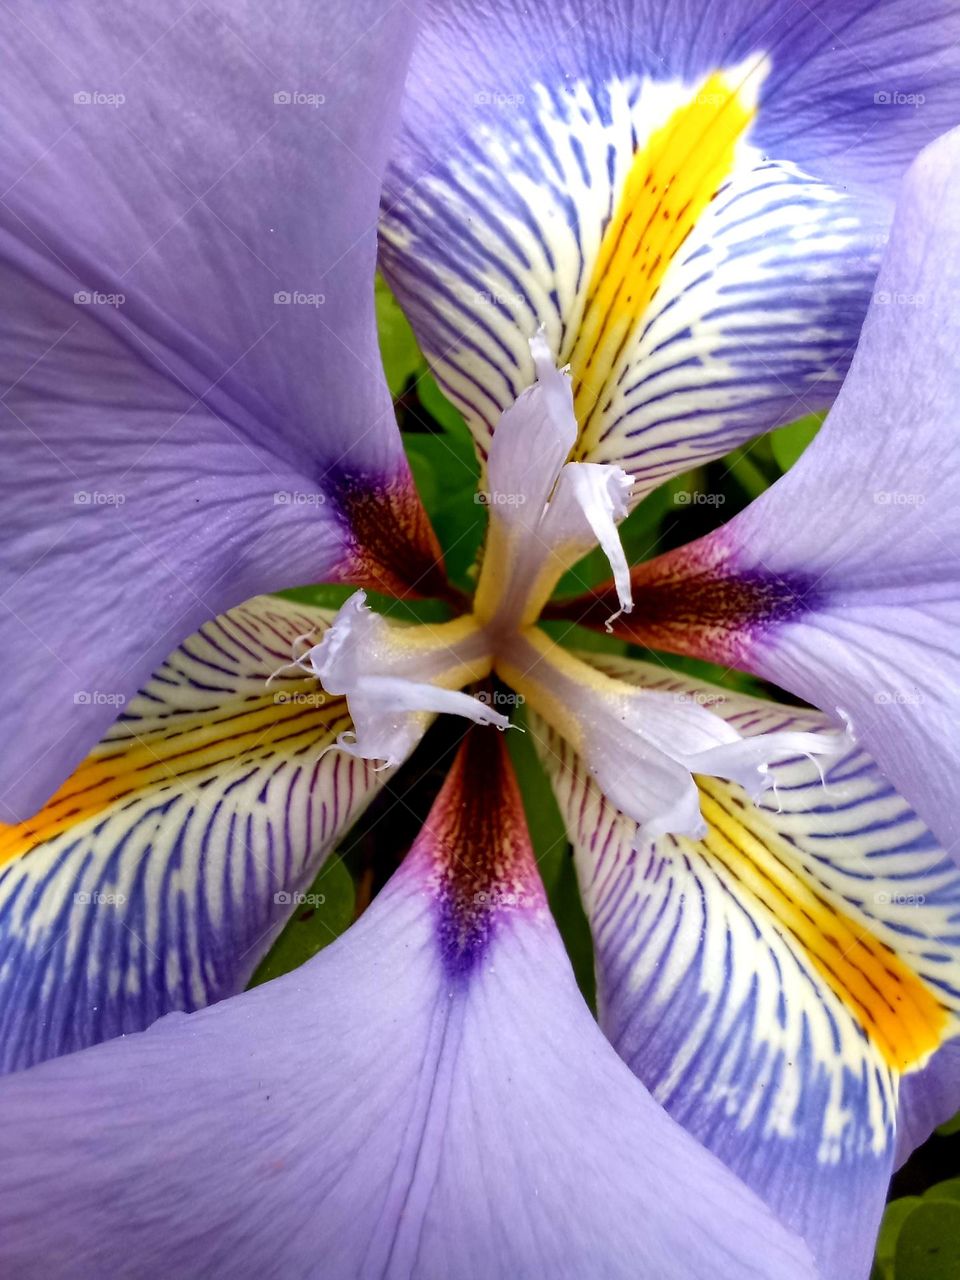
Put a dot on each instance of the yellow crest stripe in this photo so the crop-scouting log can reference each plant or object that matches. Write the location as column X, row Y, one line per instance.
column 896, row 1009
column 191, row 745
column 673, row 178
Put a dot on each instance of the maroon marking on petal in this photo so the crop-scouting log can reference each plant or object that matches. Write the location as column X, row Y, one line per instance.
column 475, row 852
column 696, row 602
column 393, row 546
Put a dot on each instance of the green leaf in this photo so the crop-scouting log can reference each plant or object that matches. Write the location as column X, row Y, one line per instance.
column 451, row 458
column 639, row 535
column 398, row 347
column 425, row 611
column 789, row 442
column 440, row 408
column 423, row 465
column 332, row 595
column 744, row 465
column 949, row 1190
column 319, row 917
column 928, row 1246
column 573, row 636
column 894, row 1216
column 447, row 475
column 566, row 907
column 548, row 835
column 951, row 1127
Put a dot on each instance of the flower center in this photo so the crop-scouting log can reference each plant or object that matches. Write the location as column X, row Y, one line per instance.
column 642, row 746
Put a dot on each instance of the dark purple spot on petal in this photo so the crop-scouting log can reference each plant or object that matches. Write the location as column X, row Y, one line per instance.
column 481, row 863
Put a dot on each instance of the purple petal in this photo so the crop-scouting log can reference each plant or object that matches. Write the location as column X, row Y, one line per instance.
column 838, row 94
column 775, row 983
column 928, row 1099
column 160, row 873
column 429, row 1097
column 705, row 281
column 230, row 196
column 179, row 438
column 842, row 582
column 877, row 637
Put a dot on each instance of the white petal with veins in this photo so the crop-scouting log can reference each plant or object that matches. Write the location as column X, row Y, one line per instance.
column 589, row 500
column 532, row 443
column 396, row 677
column 545, row 513
column 643, row 746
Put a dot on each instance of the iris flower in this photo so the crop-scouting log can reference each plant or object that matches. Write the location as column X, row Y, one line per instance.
column 629, row 237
